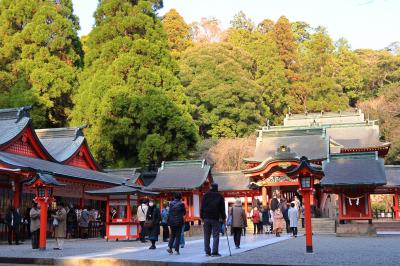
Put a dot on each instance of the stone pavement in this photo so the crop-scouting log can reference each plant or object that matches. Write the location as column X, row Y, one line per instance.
column 328, row 250
column 98, row 251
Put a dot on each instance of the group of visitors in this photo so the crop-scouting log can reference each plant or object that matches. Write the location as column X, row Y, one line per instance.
column 172, row 219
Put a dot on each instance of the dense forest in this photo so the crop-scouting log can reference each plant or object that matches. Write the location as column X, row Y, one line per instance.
column 154, row 88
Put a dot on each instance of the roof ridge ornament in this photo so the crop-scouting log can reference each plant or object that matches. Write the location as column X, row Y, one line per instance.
column 23, row 112
column 79, row 131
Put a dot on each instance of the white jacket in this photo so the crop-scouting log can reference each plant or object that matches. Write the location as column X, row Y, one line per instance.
column 141, row 212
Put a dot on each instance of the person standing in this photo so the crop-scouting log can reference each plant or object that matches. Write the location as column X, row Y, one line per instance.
column 84, row 223
column 164, row 222
column 302, row 215
column 265, row 219
column 285, row 213
column 72, row 222
column 278, row 222
column 255, row 217
column 293, row 214
column 177, row 211
column 13, row 220
column 239, row 221
column 34, row 215
column 153, row 218
column 141, row 215
column 60, row 230
column 212, row 210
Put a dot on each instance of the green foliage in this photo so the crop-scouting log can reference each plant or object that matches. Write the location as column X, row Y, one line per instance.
column 219, row 80
column 129, row 95
column 269, row 70
column 241, row 21
column 178, row 32
column 40, row 55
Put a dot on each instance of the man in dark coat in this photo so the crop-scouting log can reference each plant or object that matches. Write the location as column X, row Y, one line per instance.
column 211, row 212
column 177, row 211
column 13, row 220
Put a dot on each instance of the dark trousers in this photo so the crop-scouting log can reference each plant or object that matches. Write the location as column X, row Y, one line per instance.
column 11, row 230
column 288, row 230
column 35, row 239
column 211, row 226
column 165, row 232
column 175, row 237
column 294, row 230
column 142, row 234
column 237, row 233
column 302, row 222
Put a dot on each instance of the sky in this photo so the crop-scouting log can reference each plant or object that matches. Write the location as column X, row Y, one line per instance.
column 364, row 23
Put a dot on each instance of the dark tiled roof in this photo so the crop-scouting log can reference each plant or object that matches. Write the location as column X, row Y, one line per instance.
column 121, row 190
column 349, row 170
column 181, row 175
column 129, row 173
column 324, row 118
column 310, row 143
column 231, row 181
column 58, row 169
column 357, row 136
column 392, row 175
column 61, row 143
column 12, row 123
column 47, row 179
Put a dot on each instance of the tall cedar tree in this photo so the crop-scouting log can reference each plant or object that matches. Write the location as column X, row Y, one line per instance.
column 40, row 55
column 130, row 95
column 178, row 32
column 269, row 69
column 219, row 80
column 287, row 46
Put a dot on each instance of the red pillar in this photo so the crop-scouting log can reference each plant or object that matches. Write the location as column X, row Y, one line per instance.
column 43, row 225
column 107, row 217
column 264, row 196
column 307, row 216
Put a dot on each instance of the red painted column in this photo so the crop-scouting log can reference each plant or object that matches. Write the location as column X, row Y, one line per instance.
column 264, row 196
column 128, row 216
column 307, row 216
column 107, row 217
column 43, row 225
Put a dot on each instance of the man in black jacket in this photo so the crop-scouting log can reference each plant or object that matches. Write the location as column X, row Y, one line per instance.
column 13, row 220
column 211, row 212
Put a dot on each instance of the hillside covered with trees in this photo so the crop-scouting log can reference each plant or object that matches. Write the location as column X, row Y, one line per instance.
column 153, row 88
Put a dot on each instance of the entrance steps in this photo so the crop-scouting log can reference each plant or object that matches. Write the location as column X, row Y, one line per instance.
column 320, row 226
column 387, row 225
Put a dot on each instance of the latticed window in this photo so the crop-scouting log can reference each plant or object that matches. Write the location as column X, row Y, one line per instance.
column 22, row 147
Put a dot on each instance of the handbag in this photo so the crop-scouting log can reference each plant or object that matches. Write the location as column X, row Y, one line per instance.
column 187, row 226
column 148, row 224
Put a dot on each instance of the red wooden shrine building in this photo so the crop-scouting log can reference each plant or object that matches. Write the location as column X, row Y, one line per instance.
column 62, row 152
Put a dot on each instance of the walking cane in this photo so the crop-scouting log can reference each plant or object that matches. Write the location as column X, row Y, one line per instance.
column 227, row 239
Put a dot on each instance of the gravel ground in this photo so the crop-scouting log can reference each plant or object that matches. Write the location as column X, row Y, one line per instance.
column 328, row 250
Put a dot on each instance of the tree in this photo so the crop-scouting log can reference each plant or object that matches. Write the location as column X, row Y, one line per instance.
column 178, row 32
column 318, row 89
column 219, row 80
column 301, row 31
column 40, row 55
column 130, row 95
column 241, row 21
column 206, row 31
column 269, row 70
column 265, row 26
column 287, row 47
column 386, row 109
column 348, row 71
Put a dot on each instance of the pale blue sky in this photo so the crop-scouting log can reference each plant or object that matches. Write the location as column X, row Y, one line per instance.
column 365, row 23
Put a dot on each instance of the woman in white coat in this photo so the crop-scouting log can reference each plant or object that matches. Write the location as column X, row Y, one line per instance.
column 293, row 215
